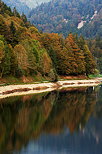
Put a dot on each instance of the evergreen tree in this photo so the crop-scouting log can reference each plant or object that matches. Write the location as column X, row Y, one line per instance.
column 81, row 42
column 16, row 14
column 76, row 58
column 12, row 28
column 13, row 35
column 5, row 64
column 24, row 18
column 90, row 63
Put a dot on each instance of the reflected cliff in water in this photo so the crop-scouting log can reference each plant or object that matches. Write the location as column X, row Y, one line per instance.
column 66, row 121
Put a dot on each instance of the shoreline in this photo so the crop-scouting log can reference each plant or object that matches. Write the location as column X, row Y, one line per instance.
column 17, row 90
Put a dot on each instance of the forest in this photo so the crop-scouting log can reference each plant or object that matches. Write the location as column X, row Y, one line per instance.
column 65, row 16
column 24, row 51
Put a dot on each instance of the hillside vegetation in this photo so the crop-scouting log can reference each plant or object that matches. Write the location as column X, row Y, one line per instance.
column 19, row 5
column 65, row 16
column 95, row 46
column 24, row 51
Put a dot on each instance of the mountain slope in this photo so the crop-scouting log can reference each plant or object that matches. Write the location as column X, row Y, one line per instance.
column 33, row 3
column 64, row 16
column 19, row 4
column 93, row 28
column 24, row 6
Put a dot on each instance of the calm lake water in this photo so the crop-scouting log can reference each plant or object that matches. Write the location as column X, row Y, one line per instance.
column 60, row 122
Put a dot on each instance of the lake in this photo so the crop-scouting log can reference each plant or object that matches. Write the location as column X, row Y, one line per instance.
column 67, row 121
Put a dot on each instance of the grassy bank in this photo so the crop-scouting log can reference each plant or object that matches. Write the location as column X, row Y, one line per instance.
column 91, row 76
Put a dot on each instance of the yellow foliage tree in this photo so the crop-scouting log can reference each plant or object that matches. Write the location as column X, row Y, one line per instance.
column 21, row 56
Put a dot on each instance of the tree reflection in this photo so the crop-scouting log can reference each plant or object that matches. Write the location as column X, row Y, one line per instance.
column 27, row 117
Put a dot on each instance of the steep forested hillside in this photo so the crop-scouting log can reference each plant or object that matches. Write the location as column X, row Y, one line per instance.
column 33, row 3
column 26, row 52
column 64, row 16
column 19, row 4
column 24, row 6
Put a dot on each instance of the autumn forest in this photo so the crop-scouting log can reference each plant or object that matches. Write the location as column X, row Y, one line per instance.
column 51, row 77
column 24, row 51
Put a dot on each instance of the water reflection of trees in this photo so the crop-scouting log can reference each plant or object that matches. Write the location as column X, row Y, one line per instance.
column 72, row 110
column 25, row 118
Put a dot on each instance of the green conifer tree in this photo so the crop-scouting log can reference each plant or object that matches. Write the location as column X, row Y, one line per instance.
column 89, row 60
column 12, row 28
